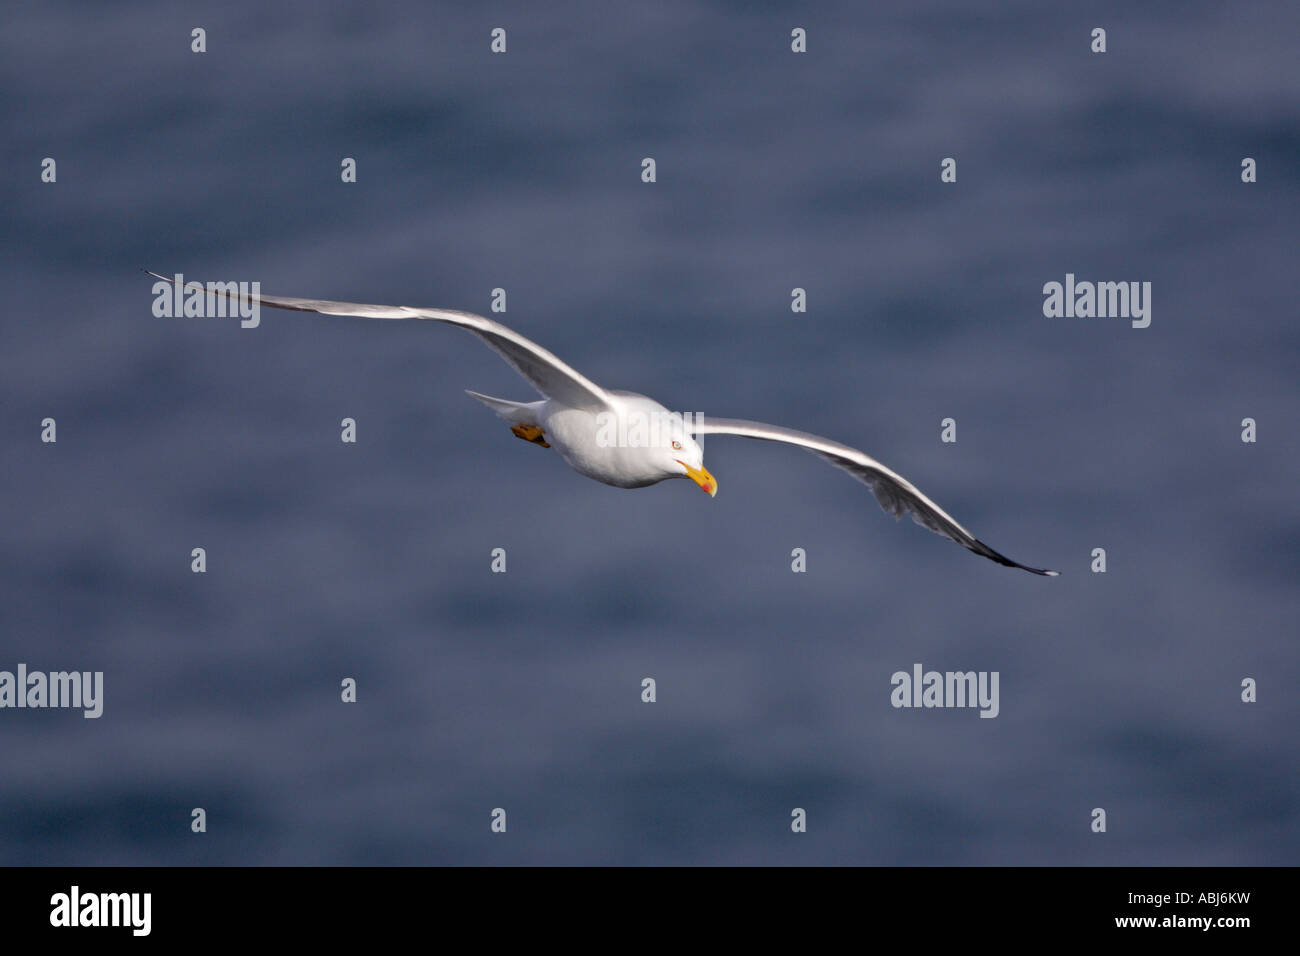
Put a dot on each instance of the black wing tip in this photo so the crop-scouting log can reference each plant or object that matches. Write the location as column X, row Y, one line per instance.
column 982, row 549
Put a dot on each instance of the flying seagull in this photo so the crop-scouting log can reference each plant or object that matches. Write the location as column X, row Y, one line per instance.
column 630, row 440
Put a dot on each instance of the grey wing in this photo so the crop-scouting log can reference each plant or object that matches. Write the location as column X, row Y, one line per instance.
column 896, row 494
column 543, row 370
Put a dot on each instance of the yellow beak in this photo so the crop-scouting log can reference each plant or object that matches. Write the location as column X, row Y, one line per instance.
column 701, row 477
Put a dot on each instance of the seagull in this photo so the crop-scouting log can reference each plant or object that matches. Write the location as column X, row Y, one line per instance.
column 629, row 440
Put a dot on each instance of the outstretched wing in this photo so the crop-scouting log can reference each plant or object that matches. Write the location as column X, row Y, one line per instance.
column 895, row 493
column 546, row 373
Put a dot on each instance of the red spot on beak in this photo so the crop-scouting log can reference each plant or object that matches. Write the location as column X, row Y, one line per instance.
column 706, row 487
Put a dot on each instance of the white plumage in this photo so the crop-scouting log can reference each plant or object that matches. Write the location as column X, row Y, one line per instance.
column 630, row 440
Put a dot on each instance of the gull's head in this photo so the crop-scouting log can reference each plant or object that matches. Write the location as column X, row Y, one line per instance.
column 652, row 443
column 686, row 460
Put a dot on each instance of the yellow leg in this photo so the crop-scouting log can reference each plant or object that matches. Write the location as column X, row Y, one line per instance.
column 531, row 433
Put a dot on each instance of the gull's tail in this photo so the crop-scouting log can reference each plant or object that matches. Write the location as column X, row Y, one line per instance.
column 517, row 413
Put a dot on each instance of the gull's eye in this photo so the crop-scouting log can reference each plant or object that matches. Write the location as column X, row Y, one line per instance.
column 677, row 445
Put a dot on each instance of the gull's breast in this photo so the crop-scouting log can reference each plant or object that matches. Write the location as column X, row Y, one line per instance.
column 589, row 442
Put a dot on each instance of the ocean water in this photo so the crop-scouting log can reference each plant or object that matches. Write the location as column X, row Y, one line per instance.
column 522, row 690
